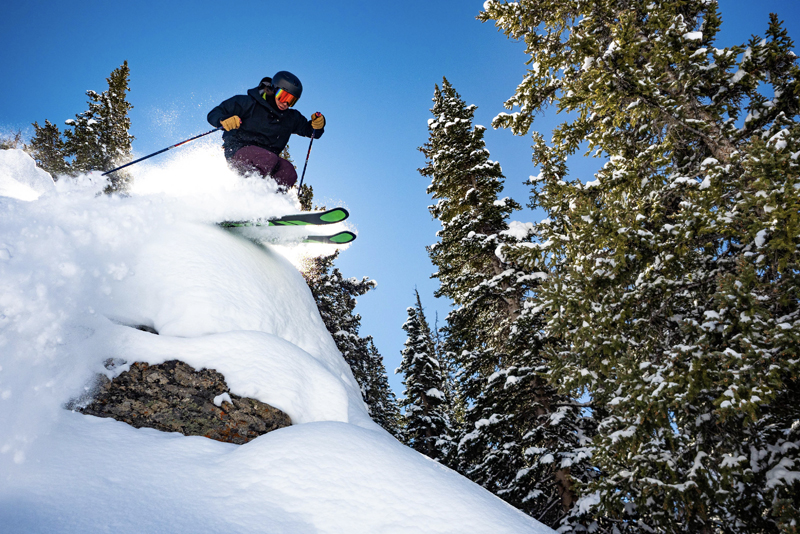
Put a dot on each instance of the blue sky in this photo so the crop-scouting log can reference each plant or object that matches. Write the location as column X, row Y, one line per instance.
column 370, row 67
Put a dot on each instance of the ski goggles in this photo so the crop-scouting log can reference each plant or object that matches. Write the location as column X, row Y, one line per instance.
column 285, row 97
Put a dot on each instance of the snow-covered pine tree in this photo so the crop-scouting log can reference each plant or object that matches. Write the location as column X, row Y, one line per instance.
column 99, row 139
column 676, row 281
column 82, row 144
column 47, row 148
column 427, row 425
column 381, row 400
column 449, row 367
column 521, row 440
column 335, row 296
column 455, row 403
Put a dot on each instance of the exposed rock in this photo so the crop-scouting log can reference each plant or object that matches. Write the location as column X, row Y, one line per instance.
column 146, row 328
column 173, row 397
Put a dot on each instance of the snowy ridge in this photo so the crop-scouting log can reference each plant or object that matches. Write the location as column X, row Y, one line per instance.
column 77, row 270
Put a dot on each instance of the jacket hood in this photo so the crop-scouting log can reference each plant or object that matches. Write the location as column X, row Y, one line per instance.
column 268, row 102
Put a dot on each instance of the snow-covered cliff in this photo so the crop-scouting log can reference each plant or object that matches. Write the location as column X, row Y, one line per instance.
column 78, row 269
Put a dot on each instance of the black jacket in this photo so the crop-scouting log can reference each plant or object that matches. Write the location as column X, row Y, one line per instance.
column 263, row 124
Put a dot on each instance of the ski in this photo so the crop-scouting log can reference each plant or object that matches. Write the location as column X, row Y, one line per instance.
column 315, row 218
column 336, row 239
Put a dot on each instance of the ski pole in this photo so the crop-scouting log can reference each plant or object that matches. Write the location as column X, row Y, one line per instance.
column 161, row 151
column 313, row 133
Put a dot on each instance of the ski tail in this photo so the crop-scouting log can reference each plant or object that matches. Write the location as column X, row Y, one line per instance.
column 331, row 216
column 336, row 239
column 242, row 224
column 306, row 218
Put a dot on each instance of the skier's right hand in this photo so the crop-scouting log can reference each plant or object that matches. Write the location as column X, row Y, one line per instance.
column 231, row 123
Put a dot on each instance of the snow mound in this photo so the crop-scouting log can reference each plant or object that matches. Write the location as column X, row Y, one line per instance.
column 78, row 270
column 320, row 477
column 20, row 178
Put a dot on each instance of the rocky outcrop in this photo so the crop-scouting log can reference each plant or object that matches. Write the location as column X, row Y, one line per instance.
column 174, row 397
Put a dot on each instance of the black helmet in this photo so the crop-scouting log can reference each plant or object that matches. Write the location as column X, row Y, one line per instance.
column 289, row 82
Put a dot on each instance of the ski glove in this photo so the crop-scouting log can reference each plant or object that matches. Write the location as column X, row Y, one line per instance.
column 317, row 121
column 231, row 123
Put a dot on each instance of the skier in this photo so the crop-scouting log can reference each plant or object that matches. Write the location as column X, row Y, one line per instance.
column 258, row 126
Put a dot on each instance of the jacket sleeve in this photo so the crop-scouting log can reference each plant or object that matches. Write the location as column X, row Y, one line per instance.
column 233, row 106
column 303, row 127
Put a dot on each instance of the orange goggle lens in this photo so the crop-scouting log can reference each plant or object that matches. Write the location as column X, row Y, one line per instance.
column 285, row 97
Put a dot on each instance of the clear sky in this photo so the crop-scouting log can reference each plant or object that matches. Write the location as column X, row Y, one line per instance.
column 370, row 67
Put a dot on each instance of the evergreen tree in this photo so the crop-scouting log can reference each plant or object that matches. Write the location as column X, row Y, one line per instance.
column 381, row 400
column 14, row 140
column 99, row 139
column 335, row 296
column 426, row 420
column 455, row 404
column 47, row 148
column 521, row 440
column 287, row 156
column 305, row 193
column 674, row 274
column 305, row 197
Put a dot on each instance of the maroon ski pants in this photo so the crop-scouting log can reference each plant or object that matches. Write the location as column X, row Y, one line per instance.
column 266, row 163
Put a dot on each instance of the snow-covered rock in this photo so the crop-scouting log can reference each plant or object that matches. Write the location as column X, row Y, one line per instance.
column 175, row 397
column 77, row 269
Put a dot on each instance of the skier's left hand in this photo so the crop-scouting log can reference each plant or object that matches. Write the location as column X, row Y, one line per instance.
column 317, row 121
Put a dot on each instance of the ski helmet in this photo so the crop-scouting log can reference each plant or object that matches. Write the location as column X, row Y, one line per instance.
column 288, row 82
